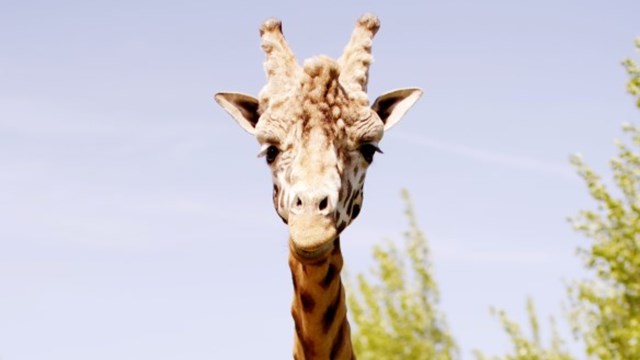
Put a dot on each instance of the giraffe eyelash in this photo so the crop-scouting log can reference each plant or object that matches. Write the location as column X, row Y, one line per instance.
column 264, row 148
column 269, row 151
column 368, row 150
column 372, row 145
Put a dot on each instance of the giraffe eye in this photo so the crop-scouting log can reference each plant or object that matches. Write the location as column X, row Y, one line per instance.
column 368, row 150
column 271, row 153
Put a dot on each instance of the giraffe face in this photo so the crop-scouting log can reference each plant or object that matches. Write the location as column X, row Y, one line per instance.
column 318, row 133
column 318, row 144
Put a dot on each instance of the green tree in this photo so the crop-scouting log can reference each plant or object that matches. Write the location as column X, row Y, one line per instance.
column 633, row 86
column 606, row 309
column 395, row 314
column 525, row 348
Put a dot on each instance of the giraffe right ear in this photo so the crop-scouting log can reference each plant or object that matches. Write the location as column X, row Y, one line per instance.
column 243, row 108
column 392, row 106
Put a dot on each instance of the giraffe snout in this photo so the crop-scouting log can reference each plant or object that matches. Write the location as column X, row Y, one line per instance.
column 312, row 226
column 313, row 203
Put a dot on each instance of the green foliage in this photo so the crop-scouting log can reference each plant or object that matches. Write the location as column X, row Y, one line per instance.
column 606, row 309
column 395, row 314
column 525, row 348
column 633, row 86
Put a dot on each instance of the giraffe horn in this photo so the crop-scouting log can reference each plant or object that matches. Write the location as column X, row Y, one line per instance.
column 280, row 64
column 356, row 58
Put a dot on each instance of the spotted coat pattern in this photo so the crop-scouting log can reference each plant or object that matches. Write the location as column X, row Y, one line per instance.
column 318, row 134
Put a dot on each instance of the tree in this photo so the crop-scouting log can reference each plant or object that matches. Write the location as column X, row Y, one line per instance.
column 525, row 348
column 395, row 314
column 396, row 321
column 633, row 86
column 606, row 309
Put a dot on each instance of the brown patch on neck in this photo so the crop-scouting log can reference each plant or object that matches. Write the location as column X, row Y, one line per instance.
column 319, row 309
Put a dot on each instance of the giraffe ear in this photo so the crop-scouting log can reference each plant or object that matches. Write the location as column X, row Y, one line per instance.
column 392, row 106
column 242, row 107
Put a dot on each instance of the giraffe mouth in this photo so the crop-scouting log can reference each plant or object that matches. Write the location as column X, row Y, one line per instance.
column 311, row 236
column 314, row 254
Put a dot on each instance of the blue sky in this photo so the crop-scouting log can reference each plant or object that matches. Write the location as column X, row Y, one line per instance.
column 136, row 221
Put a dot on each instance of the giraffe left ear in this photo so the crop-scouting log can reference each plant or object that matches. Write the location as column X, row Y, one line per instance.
column 243, row 108
column 392, row 106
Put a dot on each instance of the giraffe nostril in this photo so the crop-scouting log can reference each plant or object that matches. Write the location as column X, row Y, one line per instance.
column 298, row 202
column 323, row 204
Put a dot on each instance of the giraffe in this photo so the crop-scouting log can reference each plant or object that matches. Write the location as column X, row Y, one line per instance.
column 318, row 134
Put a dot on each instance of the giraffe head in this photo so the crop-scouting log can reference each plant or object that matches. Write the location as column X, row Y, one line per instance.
column 318, row 133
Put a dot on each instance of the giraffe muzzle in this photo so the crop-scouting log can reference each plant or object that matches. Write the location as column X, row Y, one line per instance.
column 312, row 235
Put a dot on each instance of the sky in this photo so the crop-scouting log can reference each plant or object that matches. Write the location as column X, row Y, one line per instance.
column 136, row 221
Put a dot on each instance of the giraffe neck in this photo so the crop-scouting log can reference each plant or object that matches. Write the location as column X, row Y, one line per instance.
column 319, row 309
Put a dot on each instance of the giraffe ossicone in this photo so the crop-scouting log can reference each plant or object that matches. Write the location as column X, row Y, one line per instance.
column 318, row 133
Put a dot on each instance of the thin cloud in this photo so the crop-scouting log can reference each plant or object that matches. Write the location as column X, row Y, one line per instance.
column 460, row 251
column 493, row 157
column 455, row 252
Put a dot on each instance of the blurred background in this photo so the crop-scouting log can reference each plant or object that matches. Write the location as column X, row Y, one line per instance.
column 136, row 221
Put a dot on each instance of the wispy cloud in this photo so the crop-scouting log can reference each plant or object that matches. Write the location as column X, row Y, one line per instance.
column 490, row 156
column 456, row 252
